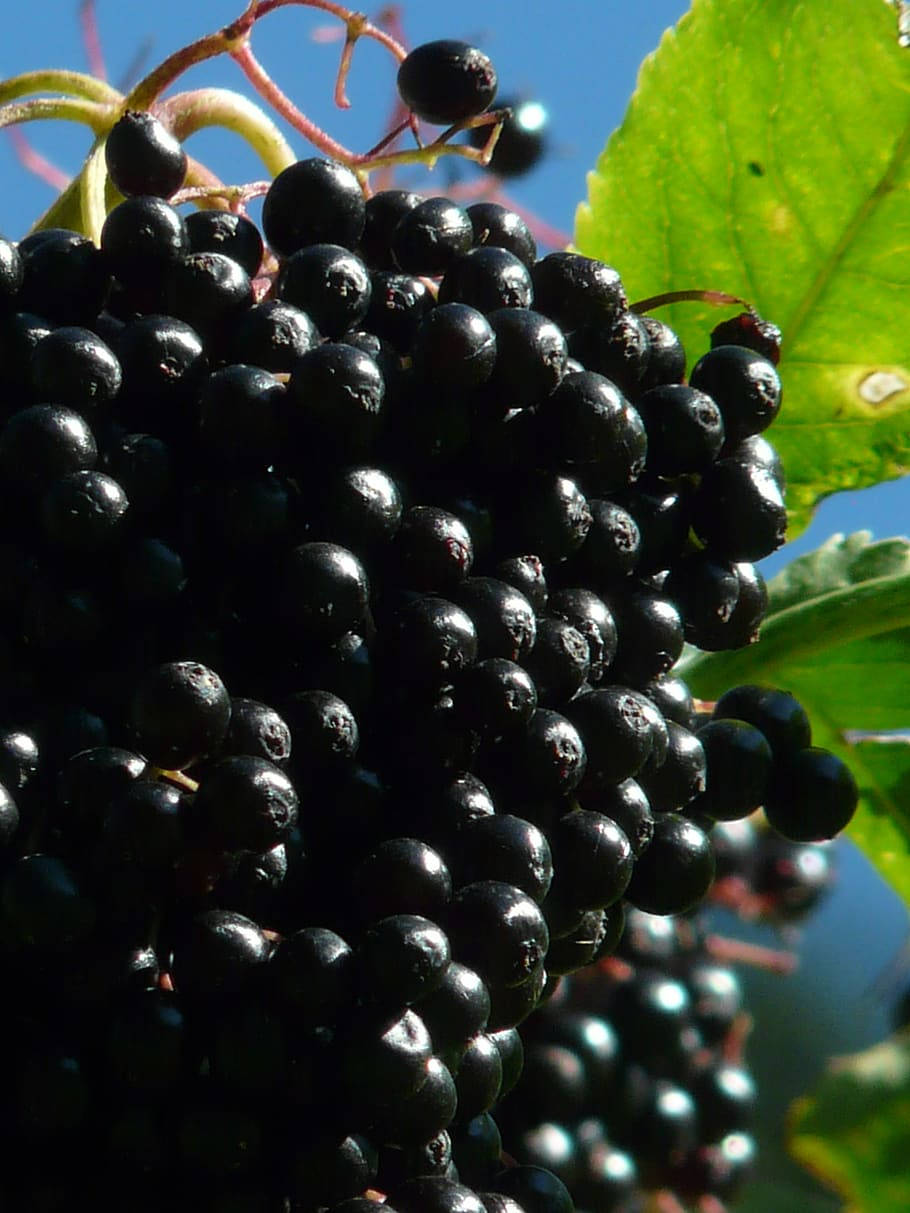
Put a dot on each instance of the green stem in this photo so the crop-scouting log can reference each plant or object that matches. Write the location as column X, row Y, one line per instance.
column 64, row 211
column 73, row 84
column 805, row 631
column 189, row 112
column 92, row 181
column 69, row 109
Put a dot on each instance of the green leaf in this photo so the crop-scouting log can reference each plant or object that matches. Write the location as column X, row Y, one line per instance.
column 837, row 635
column 840, row 561
column 766, row 153
column 854, row 1131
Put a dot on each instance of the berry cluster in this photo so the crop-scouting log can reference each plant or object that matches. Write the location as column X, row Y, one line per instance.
column 633, row 1078
column 347, row 566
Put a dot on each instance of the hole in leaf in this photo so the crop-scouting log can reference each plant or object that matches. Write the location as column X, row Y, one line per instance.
column 880, row 385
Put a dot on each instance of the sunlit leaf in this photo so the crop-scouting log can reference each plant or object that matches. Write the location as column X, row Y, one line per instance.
column 766, row 153
column 854, row 1130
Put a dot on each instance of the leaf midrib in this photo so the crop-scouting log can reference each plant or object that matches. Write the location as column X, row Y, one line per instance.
column 831, row 264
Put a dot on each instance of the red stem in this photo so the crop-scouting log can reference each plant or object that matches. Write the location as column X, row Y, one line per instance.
column 270, row 92
column 737, row 951
column 35, row 163
column 368, row 30
column 91, row 40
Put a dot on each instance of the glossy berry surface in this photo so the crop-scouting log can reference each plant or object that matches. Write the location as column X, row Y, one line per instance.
column 775, row 713
column 428, row 238
column 499, row 931
column 313, row 201
column 496, row 226
column 246, row 802
column 454, row 347
column 402, row 958
column 745, row 386
column 142, row 238
column 446, row 81
column 675, row 870
column 180, row 711
column 73, row 367
column 224, row 232
column 329, row 283
column 143, row 157
column 335, row 396
column 813, row 796
column 487, row 278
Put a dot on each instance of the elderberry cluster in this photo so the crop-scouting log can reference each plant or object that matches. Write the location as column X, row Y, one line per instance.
column 634, row 1078
column 339, row 618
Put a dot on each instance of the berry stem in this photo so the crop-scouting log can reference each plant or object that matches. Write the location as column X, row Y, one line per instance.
column 177, row 778
column 738, row 951
column 366, row 29
column 188, row 112
column 150, row 87
column 717, row 298
column 355, row 26
column 236, row 196
column 200, row 177
column 91, row 191
column 270, row 92
column 33, row 162
column 90, row 39
column 72, row 84
column 71, row 109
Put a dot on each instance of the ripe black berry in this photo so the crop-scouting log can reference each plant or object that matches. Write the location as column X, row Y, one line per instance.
column 497, row 930
column 335, row 401
column 675, row 870
column 206, row 291
column 587, row 420
column 246, row 803
column 531, row 355
column 398, row 305
column 813, row 796
column 224, row 232
column 430, row 236
column 83, row 512
column 74, row 368
column 777, row 714
column 454, row 347
column 576, row 290
column 445, row 82
column 310, row 202
column 383, row 212
column 219, row 955
column 179, row 712
column 401, row 959
column 142, row 238
column 745, row 386
column 42, row 443
column 330, row 284
column 496, row 226
column 487, row 278
column 143, row 157
column 685, row 429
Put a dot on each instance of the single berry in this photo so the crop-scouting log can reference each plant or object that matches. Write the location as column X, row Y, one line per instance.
column 143, row 157
column 313, row 201
column 445, row 82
